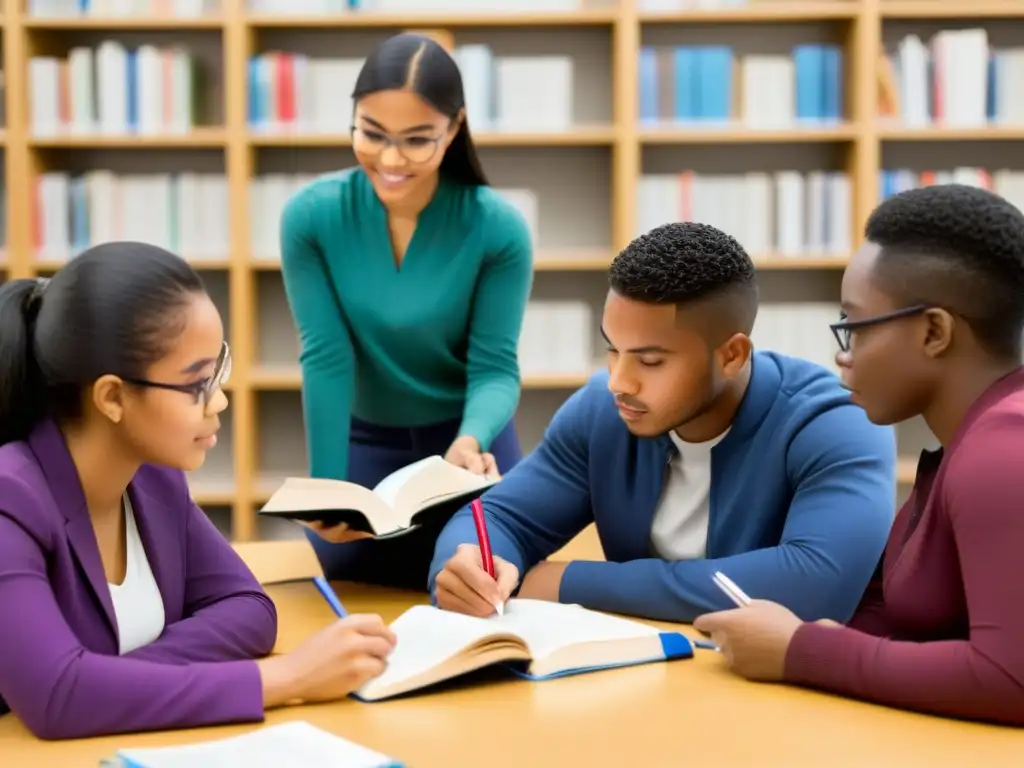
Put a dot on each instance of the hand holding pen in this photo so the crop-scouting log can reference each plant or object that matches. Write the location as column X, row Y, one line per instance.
column 474, row 581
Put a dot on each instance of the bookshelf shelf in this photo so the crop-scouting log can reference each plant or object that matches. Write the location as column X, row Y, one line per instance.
column 73, row 23
column 587, row 179
column 738, row 135
column 356, row 19
column 757, row 12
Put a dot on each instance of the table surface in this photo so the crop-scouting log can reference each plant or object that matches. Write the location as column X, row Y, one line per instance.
column 668, row 714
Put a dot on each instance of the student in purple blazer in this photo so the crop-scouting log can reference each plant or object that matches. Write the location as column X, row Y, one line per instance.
column 122, row 608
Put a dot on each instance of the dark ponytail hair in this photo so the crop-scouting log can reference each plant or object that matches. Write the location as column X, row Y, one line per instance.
column 114, row 309
column 421, row 64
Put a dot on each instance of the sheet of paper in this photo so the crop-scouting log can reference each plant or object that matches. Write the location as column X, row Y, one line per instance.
column 546, row 626
column 290, row 745
column 427, row 636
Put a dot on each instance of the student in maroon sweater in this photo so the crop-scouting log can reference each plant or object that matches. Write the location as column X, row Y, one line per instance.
column 933, row 310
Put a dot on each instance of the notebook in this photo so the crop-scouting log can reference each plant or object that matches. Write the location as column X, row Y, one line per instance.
column 537, row 639
column 430, row 490
column 289, row 745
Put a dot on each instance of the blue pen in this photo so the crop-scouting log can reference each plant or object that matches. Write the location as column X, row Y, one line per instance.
column 330, row 596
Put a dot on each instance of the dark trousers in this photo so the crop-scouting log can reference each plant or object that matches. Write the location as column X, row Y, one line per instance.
column 374, row 453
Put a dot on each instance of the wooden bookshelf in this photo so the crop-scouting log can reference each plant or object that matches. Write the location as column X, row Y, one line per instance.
column 618, row 144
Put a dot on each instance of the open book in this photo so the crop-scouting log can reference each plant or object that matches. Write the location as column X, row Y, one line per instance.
column 289, row 745
column 428, row 491
column 537, row 638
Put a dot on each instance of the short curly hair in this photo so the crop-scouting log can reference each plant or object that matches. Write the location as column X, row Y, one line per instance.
column 958, row 247
column 686, row 263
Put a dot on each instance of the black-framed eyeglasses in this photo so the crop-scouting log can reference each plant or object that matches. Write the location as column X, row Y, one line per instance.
column 202, row 391
column 416, row 149
column 843, row 330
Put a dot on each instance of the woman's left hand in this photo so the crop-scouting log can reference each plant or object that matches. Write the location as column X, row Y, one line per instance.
column 754, row 639
column 465, row 452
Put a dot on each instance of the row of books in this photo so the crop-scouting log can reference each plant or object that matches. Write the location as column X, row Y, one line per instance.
column 787, row 213
column 700, row 84
column 1004, row 182
column 295, row 92
column 114, row 90
column 108, row 9
column 954, row 79
column 185, row 213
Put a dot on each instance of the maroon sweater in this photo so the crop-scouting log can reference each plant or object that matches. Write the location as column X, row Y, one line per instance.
column 942, row 628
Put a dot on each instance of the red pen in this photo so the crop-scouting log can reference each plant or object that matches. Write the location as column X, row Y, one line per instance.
column 481, row 534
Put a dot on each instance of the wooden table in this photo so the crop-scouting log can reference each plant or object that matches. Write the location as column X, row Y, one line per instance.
column 677, row 714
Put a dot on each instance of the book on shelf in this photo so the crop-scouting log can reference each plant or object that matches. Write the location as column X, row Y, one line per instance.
column 430, row 490
column 114, row 90
column 798, row 328
column 296, row 743
column 956, row 79
column 186, row 213
column 785, row 212
column 681, row 85
column 557, row 338
column 535, row 639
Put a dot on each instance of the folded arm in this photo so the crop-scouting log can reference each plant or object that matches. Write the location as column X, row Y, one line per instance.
column 326, row 356
column 499, row 302
column 61, row 690
column 834, row 534
column 539, row 506
column 981, row 677
column 227, row 615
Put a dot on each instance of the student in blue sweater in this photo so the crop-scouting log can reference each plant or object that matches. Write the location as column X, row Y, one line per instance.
column 692, row 454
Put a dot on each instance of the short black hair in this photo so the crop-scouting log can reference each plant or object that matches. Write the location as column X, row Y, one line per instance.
column 686, row 263
column 419, row 63
column 958, row 247
column 113, row 309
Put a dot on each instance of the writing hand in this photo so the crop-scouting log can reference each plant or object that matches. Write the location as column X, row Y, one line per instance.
column 463, row 586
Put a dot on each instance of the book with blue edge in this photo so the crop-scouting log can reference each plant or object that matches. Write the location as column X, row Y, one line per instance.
column 294, row 743
column 535, row 639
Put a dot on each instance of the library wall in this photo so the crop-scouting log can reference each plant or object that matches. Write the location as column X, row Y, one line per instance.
column 783, row 123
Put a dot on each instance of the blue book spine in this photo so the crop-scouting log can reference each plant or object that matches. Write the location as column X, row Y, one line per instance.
column 832, row 76
column 647, row 69
column 715, row 99
column 254, row 91
column 993, row 78
column 687, row 84
column 809, row 65
column 132, row 85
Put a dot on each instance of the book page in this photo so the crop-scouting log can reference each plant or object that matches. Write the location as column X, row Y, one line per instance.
column 549, row 627
column 290, row 745
column 435, row 481
column 426, row 638
column 388, row 488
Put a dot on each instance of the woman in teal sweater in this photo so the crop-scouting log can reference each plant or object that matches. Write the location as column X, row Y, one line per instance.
column 407, row 278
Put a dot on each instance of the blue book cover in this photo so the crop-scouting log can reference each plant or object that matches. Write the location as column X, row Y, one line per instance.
column 647, row 71
column 687, row 83
column 809, row 64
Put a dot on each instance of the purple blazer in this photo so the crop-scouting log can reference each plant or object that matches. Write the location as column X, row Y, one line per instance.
column 60, row 671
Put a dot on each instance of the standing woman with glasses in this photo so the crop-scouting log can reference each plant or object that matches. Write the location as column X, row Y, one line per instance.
column 934, row 312
column 122, row 608
column 407, row 277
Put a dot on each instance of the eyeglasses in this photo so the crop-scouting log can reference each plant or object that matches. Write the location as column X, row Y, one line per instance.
column 415, row 149
column 202, row 391
column 843, row 330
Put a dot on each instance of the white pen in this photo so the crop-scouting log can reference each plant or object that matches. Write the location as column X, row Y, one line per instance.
column 727, row 585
